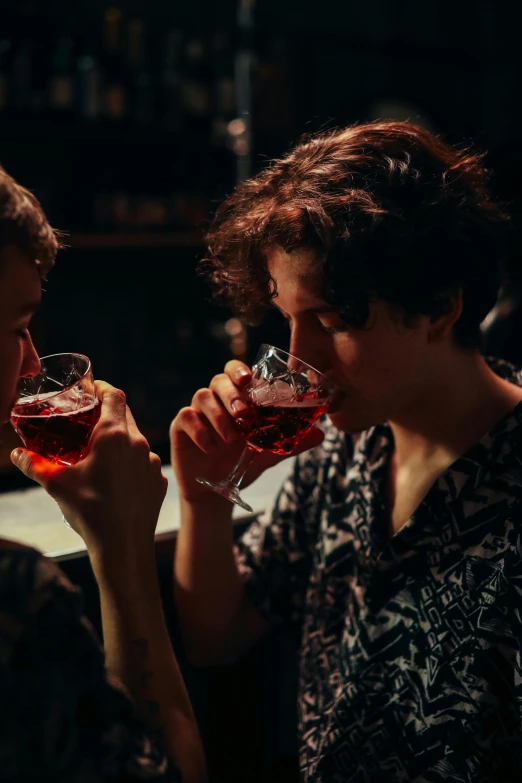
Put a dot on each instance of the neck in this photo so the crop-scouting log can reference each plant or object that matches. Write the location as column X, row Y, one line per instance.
column 461, row 399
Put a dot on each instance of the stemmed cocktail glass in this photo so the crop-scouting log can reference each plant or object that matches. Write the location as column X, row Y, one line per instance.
column 58, row 409
column 286, row 396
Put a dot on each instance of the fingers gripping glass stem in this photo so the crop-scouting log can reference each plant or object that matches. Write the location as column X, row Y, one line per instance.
column 229, row 487
column 286, row 397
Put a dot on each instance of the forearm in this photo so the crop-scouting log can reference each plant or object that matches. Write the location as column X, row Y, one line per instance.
column 209, row 590
column 138, row 650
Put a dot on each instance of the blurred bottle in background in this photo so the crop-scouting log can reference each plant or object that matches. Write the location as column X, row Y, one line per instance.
column 170, row 80
column 61, row 86
column 169, row 89
column 88, row 98
column 196, row 83
column 115, row 92
column 142, row 96
column 224, row 93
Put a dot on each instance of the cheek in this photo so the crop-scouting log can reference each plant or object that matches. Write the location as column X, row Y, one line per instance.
column 372, row 362
column 11, row 357
column 312, row 345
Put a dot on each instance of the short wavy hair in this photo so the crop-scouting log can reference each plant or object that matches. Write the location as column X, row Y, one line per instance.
column 23, row 224
column 391, row 212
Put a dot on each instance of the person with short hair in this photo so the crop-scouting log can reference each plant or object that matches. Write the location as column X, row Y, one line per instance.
column 71, row 713
column 393, row 548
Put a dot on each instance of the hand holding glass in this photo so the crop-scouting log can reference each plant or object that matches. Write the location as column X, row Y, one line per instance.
column 58, row 409
column 286, row 397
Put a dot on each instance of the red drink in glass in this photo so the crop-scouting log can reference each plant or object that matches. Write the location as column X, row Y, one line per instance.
column 285, row 396
column 58, row 434
column 279, row 428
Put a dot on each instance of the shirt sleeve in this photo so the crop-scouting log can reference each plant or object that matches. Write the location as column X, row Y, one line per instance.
column 63, row 717
column 275, row 555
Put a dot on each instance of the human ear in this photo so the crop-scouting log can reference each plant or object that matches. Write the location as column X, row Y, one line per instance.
column 448, row 313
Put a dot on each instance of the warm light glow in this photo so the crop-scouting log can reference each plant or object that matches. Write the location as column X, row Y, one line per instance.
column 237, row 127
column 241, row 147
column 233, row 326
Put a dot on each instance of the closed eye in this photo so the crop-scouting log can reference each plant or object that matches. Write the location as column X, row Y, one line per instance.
column 332, row 329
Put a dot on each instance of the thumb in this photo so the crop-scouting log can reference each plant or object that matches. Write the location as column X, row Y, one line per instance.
column 33, row 465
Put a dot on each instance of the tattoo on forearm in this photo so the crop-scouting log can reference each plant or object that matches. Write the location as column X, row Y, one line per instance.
column 151, row 709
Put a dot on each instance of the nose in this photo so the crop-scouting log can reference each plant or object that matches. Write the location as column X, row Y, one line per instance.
column 302, row 346
column 31, row 360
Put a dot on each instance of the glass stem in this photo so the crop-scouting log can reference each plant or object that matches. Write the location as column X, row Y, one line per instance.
column 237, row 474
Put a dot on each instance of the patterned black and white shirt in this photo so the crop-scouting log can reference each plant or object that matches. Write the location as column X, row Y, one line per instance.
column 410, row 655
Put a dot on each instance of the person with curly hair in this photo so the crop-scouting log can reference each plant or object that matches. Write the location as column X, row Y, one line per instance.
column 393, row 549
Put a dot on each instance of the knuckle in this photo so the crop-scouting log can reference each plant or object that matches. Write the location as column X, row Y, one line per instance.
column 155, row 460
column 231, row 366
column 120, row 395
column 178, row 419
column 102, row 387
column 218, row 381
column 110, row 435
column 141, row 445
column 185, row 418
column 202, row 397
column 102, row 435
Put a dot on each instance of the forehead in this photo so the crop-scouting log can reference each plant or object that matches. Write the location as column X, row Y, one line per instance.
column 297, row 276
column 20, row 284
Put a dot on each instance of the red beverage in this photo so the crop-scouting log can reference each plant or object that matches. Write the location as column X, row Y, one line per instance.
column 279, row 428
column 60, row 436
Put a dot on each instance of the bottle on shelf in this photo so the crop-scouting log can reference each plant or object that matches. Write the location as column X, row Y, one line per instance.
column 142, row 93
column 224, row 94
column 60, row 97
column 196, row 80
column 115, row 93
column 88, row 83
column 170, row 82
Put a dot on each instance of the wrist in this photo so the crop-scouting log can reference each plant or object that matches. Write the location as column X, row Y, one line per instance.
column 123, row 565
column 209, row 507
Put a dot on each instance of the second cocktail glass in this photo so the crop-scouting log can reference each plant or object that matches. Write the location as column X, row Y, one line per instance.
column 286, row 396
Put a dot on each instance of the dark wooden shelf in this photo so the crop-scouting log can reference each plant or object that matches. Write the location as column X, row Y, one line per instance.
column 189, row 239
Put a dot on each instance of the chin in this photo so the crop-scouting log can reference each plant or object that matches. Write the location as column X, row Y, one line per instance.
column 347, row 422
column 5, row 414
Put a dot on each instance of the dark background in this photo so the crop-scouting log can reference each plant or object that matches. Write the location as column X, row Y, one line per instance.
column 135, row 192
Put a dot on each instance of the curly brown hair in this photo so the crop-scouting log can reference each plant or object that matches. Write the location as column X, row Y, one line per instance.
column 391, row 212
column 23, row 224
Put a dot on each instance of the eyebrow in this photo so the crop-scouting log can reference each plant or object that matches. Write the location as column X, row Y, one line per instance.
column 321, row 309
column 317, row 309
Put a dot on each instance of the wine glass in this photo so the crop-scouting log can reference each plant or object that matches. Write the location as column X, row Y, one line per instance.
column 58, row 409
column 286, row 396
